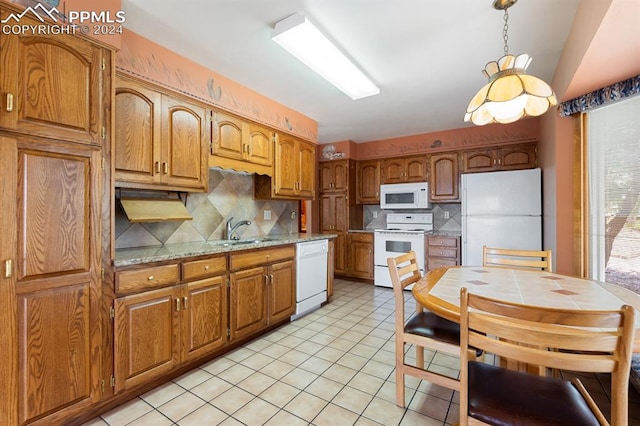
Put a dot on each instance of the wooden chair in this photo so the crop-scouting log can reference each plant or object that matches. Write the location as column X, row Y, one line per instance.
column 508, row 258
column 423, row 329
column 576, row 340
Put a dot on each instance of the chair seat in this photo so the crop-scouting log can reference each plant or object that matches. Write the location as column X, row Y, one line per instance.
column 498, row 396
column 430, row 325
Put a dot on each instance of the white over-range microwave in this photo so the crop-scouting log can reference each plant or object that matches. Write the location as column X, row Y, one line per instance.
column 400, row 196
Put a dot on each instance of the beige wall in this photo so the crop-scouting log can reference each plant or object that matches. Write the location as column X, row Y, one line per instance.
column 603, row 48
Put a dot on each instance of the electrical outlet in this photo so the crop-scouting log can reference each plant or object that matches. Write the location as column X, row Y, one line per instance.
column 446, row 215
column 375, row 215
column 267, row 215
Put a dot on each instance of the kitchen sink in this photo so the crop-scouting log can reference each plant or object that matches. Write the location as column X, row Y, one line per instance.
column 227, row 243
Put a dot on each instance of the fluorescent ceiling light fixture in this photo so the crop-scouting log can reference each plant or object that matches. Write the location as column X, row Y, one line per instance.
column 304, row 41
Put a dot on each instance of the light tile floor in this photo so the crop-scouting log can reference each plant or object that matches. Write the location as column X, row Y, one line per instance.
column 334, row 366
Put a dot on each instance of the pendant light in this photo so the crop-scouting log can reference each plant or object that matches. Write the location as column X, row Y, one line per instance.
column 511, row 93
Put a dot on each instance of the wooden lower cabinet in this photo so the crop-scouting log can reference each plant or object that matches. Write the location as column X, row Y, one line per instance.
column 189, row 321
column 442, row 251
column 361, row 255
column 262, row 292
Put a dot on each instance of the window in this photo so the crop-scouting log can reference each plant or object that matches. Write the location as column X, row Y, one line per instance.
column 614, row 193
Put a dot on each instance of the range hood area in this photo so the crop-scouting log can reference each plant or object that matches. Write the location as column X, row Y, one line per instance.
column 154, row 209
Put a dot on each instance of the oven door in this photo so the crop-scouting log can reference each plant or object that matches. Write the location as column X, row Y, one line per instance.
column 392, row 244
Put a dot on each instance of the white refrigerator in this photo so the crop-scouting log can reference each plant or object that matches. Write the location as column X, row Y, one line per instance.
column 501, row 209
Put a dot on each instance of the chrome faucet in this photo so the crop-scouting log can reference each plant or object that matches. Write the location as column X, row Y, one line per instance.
column 232, row 229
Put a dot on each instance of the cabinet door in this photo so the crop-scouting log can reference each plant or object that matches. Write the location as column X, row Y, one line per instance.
column 334, row 175
column 341, row 264
column 286, row 173
column 146, row 334
column 444, row 177
column 326, row 171
column 282, row 295
column 228, row 139
column 260, row 145
column 518, row 157
column 327, row 213
column 247, row 305
column 51, row 86
column 361, row 259
column 368, row 182
column 306, row 170
column 50, row 292
column 204, row 317
column 393, row 170
column 416, row 169
column 184, row 149
column 331, row 266
column 480, row 160
column 137, row 134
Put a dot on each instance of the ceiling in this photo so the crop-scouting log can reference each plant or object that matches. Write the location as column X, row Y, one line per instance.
column 425, row 55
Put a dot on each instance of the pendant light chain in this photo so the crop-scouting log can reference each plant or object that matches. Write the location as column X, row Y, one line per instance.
column 505, row 36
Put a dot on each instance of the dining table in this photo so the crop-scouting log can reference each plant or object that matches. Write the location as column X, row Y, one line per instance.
column 439, row 291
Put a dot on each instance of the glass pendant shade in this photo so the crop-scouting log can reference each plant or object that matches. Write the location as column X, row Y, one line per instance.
column 510, row 94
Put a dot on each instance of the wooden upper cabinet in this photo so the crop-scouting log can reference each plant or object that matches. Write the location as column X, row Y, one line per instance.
column 160, row 140
column 368, row 182
column 508, row 157
column 240, row 140
column 294, row 172
column 445, row 177
column 52, row 86
column 404, row 169
column 334, row 175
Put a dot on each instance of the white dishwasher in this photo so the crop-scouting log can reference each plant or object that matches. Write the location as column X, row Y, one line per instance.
column 311, row 276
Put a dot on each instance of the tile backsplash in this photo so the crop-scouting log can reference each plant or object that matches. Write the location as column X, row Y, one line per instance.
column 376, row 218
column 230, row 196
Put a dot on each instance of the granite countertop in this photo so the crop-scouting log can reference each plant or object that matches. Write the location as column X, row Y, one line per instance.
column 447, row 233
column 140, row 255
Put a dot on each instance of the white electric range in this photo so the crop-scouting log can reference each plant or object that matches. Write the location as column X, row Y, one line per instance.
column 404, row 232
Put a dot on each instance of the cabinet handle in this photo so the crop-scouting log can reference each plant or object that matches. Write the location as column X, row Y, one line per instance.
column 157, row 167
column 9, row 102
column 206, row 267
column 266, row 280
column 271, row 279
column 184, row 302
column 178, row 304
column 150, row 278
column 8, row 268
column 165, row 167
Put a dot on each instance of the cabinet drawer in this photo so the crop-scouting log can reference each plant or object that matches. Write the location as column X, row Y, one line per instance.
column 361, row 236
column 443, row 241
column 141, row 279
column 257, row 257
column 204, row 268
column 443, row 252
column 439, row 262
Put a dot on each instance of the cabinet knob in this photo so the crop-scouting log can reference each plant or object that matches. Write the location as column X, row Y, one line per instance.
column 150, row 278
column 206, row 267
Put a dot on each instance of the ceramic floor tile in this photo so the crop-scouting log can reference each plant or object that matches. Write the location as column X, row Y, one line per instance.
column 211, row 388
column 384, row 412
column 279, row 394
column 232, row 400
column 256, row 383
column 324, row 388
column 162, row 394
column 333, row 415
column 299, row 378
column 154, row 418
column 205, row 415
column 285, row 418
column 352, row 399
column 256, row 412
column 192, row 378
column 306, row 406
column 181, row 406
column 127, row 412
